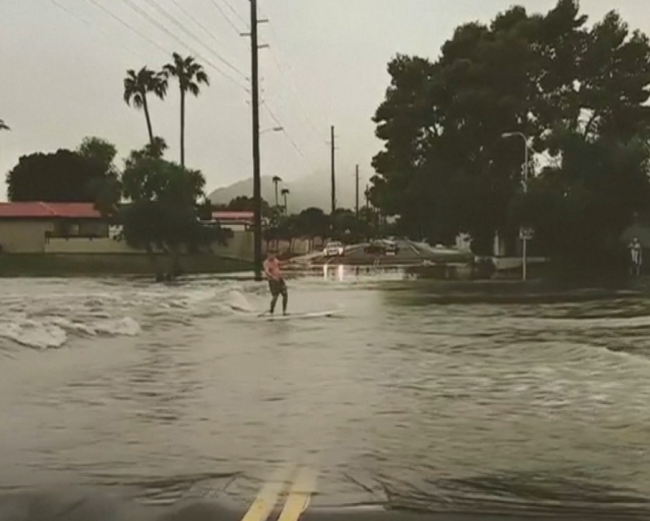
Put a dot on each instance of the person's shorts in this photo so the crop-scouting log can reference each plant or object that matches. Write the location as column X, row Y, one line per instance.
column 277, row 287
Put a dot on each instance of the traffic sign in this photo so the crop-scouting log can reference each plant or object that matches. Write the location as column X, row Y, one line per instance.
column 525, row 233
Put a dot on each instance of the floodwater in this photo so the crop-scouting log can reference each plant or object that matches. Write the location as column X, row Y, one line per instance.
column 165, row 394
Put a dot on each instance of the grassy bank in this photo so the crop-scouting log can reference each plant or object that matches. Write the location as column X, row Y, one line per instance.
column 59, row 265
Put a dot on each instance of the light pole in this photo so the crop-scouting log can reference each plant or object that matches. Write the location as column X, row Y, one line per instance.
column 523, row 233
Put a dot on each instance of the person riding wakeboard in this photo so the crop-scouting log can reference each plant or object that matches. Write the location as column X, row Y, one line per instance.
column 277, row 285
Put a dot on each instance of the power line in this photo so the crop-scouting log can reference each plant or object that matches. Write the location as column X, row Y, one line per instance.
column 291, row 82
column 295, row 99
column 210, row 34
column 227, row 18
column 234, row 11
column 182, row 28
column 284, row 130
column 90, row 24
column 117, row 18
column 155, row 22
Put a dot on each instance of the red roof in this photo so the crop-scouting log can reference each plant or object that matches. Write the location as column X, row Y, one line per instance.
column 40, row 210
column 233, row 216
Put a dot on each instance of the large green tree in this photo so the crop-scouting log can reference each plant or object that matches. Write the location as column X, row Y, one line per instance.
column 446, row 167
column 62, row 176
column 243, row 203
column 190, row 76
column 164, row 207
column 580, row 206
column 138, row 85
column 100, row 152
column 313, row 222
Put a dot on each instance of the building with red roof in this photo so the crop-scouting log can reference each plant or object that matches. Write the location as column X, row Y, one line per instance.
column 25, row 227
column 236, row 220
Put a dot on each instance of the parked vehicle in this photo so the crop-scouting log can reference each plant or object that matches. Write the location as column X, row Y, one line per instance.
column 391, row 247
column 382, row 247
column 334, row 249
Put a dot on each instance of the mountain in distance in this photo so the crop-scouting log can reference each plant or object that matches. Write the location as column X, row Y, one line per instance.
column 305, row 192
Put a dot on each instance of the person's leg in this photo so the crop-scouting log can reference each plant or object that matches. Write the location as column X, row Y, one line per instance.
column 274, row 295
column 285, row 298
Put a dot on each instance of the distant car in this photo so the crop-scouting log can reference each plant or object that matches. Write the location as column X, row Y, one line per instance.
column 391, row 247
column 334, row 249
column 382, row 247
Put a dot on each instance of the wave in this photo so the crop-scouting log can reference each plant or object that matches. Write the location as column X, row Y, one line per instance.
column 52, row 332
column 43, row 321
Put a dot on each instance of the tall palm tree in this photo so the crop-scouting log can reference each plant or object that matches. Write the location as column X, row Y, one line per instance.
column 276, row 180
column 190, row 75
column 285, row 193
column 136, row 87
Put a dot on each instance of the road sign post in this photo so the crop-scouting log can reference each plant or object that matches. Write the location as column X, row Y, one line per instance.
column 525, row 234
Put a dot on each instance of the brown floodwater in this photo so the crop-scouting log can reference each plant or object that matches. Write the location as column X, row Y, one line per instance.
column 161, row 394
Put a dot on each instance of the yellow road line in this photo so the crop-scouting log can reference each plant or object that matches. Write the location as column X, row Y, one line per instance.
column 299, row 496
column 266, row 500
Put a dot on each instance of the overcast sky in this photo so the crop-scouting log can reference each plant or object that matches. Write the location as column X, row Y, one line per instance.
column 63, row 62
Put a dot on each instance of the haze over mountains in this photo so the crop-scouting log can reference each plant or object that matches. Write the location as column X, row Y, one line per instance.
column 305, row 192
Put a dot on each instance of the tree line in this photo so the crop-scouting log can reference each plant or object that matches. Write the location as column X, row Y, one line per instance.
column 343, row 225
column 578, row 93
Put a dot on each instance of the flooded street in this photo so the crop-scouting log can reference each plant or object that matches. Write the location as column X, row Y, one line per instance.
column 167, row 393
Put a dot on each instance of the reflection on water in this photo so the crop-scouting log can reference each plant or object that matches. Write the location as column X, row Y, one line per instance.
column 167, row 390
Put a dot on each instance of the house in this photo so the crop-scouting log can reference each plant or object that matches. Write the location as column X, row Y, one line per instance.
column 236, row 221
column 79, row 229
column 26, row 227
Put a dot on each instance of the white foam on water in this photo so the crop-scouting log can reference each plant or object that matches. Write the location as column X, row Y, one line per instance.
column 237, row 301
column 52, row 332
column 33, row 334
column 119, row 327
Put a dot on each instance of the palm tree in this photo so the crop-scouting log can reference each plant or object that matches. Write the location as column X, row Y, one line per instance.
column 276, row 180
column 285, row 193
column 136, row 87
column 190, row 75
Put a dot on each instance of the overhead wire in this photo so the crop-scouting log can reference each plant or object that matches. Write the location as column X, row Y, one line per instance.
column 209, row 33
column 284, row 130
column 227, row 18
column 234, row 11
column 156, row 23
column 290, row 76
column 92, row 26
column 167, row 15
column 135, row 31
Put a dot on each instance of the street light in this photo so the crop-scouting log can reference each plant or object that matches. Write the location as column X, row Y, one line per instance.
column 524, row 238
column 274, row 129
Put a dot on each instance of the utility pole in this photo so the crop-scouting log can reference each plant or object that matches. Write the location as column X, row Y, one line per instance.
column 333, row 143
column 367, row 195
column 257, row 176
column 356, row 191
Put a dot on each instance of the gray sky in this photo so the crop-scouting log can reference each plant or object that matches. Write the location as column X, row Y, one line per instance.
column 62, row 78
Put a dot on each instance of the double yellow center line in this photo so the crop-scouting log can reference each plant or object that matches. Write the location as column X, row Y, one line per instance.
column 297, row 500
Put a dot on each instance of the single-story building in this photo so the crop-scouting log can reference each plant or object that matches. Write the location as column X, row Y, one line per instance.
column 236, row 221
column 25, row 227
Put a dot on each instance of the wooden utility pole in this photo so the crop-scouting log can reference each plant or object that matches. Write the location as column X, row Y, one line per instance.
column 356, row 191
column 333, row 144
column 257, row 176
